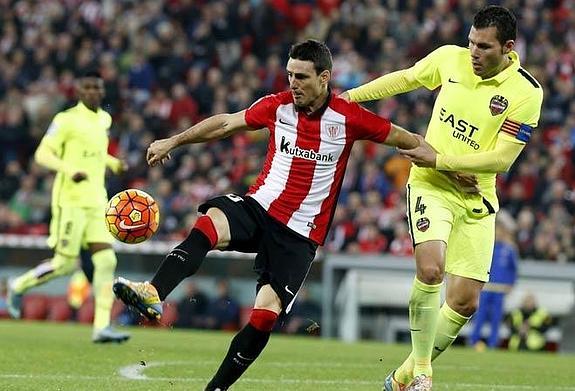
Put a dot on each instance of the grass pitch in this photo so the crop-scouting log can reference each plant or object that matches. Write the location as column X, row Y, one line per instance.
column 50, row 356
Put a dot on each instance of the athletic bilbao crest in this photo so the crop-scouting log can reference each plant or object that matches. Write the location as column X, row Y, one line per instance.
column 422, row 224
column 333, row 130
column 497, row 105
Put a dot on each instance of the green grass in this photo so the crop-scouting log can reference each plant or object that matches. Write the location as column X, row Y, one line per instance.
column 49, row 356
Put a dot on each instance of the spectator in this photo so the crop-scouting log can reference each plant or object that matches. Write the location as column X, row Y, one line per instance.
column 155, row 46
column 305, row 315
column 224, row 311
column 192, row 308
column 528, row 325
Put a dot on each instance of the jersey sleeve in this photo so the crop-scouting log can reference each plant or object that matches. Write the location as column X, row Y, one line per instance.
column 523, row 118
column 365, row 125
column 56, row 134
column 259, row 113
column 108, row 120
column 427, row 70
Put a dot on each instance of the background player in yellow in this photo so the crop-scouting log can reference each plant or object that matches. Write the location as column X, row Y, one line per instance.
column 482, row 118
column 76, row 147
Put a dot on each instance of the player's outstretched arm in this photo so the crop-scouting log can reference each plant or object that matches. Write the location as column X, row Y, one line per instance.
column 497, row 160
column 385, row 86
column 214, row 128
column 401, row 138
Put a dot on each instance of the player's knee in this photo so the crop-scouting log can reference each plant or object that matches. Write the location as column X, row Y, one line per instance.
column 205, row 224
column 62, row 264
column 430, row 274
column 263, row 319
column 104, row 261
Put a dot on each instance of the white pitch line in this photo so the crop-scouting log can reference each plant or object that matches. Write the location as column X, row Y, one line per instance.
column 293, row 364
column 135, row 372
column 457, row 386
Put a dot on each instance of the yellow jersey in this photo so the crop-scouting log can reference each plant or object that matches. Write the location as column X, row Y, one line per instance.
column 79, row 136
column 470, row 112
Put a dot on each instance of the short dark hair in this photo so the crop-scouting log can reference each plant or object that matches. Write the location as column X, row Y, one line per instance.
column 314, row 51
column 501, row 18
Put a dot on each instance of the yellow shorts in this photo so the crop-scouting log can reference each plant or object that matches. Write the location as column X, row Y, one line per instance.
column 466, row 223
column 72, row 228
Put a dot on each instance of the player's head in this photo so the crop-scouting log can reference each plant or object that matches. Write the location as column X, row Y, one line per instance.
column 90, row 87
column 491, row 38
column 309, row 71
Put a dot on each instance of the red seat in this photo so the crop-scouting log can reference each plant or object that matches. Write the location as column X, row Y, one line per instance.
column 117, row 308
column 86, row 312
column 35, row 306
column 59, row 309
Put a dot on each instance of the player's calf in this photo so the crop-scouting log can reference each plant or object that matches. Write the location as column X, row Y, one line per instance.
column 244, row 349
column 184, row 260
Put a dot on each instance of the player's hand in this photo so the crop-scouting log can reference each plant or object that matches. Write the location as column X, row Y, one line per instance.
column 124, row 166
column 423, row 156
column 464, row 181
column 79, row 176
column 159, row 152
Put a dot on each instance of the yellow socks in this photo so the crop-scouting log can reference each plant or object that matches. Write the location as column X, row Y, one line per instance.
column 449, row 323
column 104, row 266
column 448, row 326
column 423, row 313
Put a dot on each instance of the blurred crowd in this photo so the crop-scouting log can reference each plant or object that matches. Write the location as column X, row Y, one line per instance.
column 168, row 64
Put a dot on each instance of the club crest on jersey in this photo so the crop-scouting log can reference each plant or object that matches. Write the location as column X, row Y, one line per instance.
column 333, row 130
column 422, row 224
column 498, row 105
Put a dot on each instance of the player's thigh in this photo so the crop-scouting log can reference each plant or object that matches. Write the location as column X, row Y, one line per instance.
column 470, row 248
column 429, row 214
column 283, row 262
column 236, row 220
column 67, row 228
column 222, row 227
column 96, row 231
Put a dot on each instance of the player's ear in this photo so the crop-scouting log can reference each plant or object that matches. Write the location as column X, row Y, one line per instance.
column 508, row 46
column 325, row 76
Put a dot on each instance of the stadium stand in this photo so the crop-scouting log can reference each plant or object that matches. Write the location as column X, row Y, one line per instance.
column 169, row 63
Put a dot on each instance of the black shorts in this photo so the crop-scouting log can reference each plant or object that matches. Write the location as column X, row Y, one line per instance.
column 283, row 257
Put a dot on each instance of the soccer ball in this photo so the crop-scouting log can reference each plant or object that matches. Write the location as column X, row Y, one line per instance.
column 132, row 216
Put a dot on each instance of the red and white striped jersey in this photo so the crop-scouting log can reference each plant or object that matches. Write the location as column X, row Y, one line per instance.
column 306, row 159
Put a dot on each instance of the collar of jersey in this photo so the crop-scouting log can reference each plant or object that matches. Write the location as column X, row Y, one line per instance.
column 82, row 107
column 503, row 75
